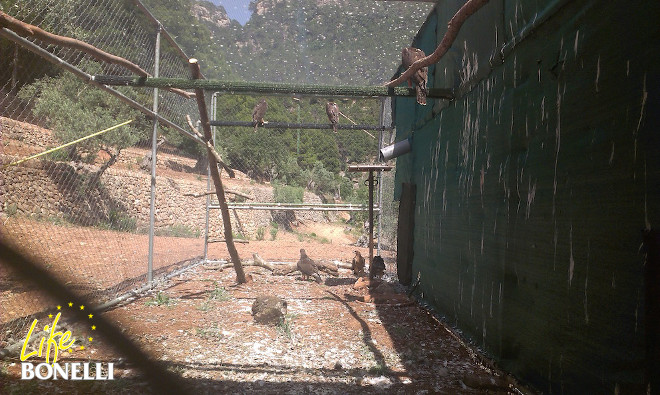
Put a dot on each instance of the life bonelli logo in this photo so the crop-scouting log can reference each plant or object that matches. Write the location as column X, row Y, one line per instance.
column 52, row 344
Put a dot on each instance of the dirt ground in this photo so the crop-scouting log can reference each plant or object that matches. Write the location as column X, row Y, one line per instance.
column 199, row 326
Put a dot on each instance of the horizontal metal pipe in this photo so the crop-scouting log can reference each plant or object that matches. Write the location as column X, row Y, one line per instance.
column 123, row 297
column 273, row 204
column 295, row 208
column 270, row 88
column 136, row 292
column 287, row 125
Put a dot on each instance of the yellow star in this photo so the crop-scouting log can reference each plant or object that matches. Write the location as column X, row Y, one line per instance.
column 69, row 351
column 50, row 316
column 82, row 307
column 90, row 339
column 91, row 315
column 93, row 327
column 82, row 347
column 59, row 307
column 70, row 304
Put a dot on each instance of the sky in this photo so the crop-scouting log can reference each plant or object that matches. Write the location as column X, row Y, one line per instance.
column 236, row 9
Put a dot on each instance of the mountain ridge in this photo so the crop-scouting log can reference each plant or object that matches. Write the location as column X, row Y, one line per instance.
column 338, row 42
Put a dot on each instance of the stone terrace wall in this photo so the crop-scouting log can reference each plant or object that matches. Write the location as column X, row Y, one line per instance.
column 51, row 190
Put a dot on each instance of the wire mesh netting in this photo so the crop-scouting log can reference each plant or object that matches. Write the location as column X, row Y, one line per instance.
column 84, row 209
column 76, row 158
column 295, row 164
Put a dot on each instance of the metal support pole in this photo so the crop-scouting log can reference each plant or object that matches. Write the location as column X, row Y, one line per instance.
column 371, row 222
column 297, row 100
column 154, row 146
column 214, row 105
column 380, row 174
column 14, row 71
column 371, row 180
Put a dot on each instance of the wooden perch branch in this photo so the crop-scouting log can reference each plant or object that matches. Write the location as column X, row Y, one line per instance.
column 211, row 148
column 215, row 174
column 258, row 261
column 343, row 265
column 453, row 27
column 27, row 30
column 202, row 194
column 24, row 29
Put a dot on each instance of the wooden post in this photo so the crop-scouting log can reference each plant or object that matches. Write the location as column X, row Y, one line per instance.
column 215, row 174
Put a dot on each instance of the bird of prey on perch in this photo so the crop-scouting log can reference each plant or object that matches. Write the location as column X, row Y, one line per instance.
column 408, row 56
column 308, row 267
column 258, row 113
column 333, row 114
column 358, row 264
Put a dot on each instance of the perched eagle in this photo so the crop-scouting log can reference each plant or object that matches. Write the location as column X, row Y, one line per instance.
column 258, row 113
column 358, row 264
column 333, row 114
column 408, row 56
column 308, row 267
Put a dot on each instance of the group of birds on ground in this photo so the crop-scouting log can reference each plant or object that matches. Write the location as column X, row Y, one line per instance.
column 419, row 79
column 409, row 55
column 309, row 268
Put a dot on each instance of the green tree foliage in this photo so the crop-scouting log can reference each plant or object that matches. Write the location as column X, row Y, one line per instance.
column 193, row 36
column 295, row 156
column 73, row 110
column 309, row 41
column 257, row 153
column 288, row 194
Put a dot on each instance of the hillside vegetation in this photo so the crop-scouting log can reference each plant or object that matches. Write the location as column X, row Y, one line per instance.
column 338, row 42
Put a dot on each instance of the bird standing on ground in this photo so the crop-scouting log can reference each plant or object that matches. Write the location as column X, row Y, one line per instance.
column 308, row 267
column 358, row 264
column 333, row 114
column 258, row 113
column 377, row 267
column 408, row 56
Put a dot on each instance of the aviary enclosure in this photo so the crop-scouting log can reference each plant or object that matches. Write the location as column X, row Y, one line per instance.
column 108, row 197
column 148, row 205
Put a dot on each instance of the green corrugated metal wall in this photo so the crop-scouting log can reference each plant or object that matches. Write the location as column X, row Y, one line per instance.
column 534, row 185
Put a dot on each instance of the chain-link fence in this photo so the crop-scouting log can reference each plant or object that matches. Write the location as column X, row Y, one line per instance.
column 292, row 169
column 82, row 204
column 84, row 209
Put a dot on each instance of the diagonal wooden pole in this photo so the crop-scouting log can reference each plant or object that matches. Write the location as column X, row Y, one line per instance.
column 24, row 29
column 215, row 174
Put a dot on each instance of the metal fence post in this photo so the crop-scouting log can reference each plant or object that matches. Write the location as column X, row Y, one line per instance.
column 154, row 146
column 381, row 121
column 214, row 98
